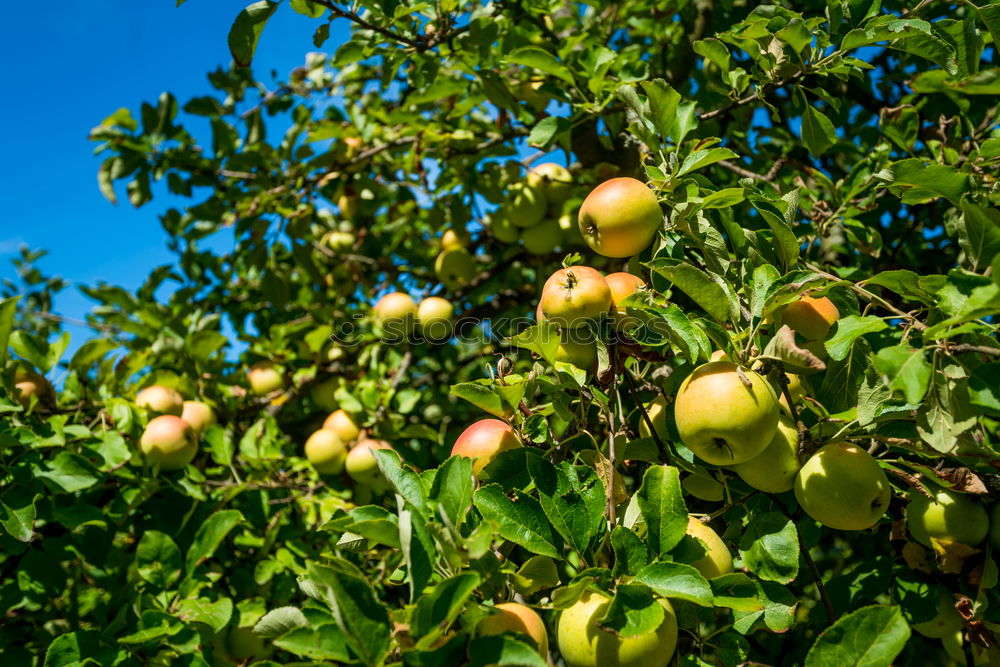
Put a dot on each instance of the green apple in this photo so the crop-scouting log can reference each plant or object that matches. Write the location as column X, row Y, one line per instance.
column 503, row 229
column 323, row 392
column 774, row 469
column 338, row 241
column 434, row 315
column 722, row 420
column 455, row 237
column 945, row 622
column 571, row 235
column 717, row 560
column 160, row 400
column 265, row 378
column 531, row 94
column 620, row 218
column 483, row 441
column 395, row 313
column 168, row 442
column 952, row 517
column 811, row 318
column 349, row 206
column 511, row 617
column 543, row 238
column 526, row 205
column 843, row 487
column 582, row 643
column 554, row 180
column 362, row 466
column 455, row 268
column 574, row 296
column 657, row 412
column 577, row 347
column 198, row 415
column 703, row 487
column 341, row 423
column 326, row 452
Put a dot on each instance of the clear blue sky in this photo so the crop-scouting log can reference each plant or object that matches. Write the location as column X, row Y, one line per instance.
column 70, row 65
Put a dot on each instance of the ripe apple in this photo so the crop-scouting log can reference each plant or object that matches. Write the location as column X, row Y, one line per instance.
column 396, row 314
column 955, row 517
column 28, row 383
column 338, row 241
column 843, row 487
column 620, row 218
column 519, row 619
column 503, row 229
column 570, row 231
column 717, row 560
column 169, row 442
column 578, row 348
column 720, row 355
column 657, row 411
column 198, row 415
column 583, row 644
column 554, row 180
column 454, row 237
column 455, row 268
column 434, row 315
column 623, row 285
column 811, row 318
column 543, row 238
column 526, row 205
column 573, row 296
column 341, row 423
column 945, row 622
column 483, row 440
column 703, row 487
column 323, row 392
column 361, row 464
column 722, row 420
column 326, row 452
column 265, row 378
column 160, row 400
column 774, row 469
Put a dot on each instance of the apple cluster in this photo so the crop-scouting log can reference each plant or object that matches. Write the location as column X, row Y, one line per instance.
column 533, row 212
column 398, row 316
column 338, row 446
column 170, row 439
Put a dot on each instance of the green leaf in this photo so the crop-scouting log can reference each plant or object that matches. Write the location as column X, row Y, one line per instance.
column 308, row 8
column 520, row 520
column 246, row 29
column 777, row 214
column 158, row 560
column 532, row 56
column 215, row 614
column 8, row 308
column 542, row 339
column 905, row 283
column 871, row 636
column 280, row 621
column 210, row 536
column 698, row 285
column 548, row 131
column 17, row 515
column 402, row 479
column 906, row 370
column 487, row 395
column 633, row 611
column 849, row 328
column 573, row 499
column 979, row 234
column 677, row 581
column 983, row 388
column 631, row 553
column 503, row 651
column 452, row 489
column 538, row 572
column 78, row 648
column 70, row 472
column 917, row 182
column 662, row 506
column 362, row 618
column 317, row 642
column 736, row 591
column 769, row 547
column 437, row 609
column 817, row 131
column 723, row 198
column 703, row 158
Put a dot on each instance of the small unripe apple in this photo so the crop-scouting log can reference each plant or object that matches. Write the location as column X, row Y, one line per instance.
column 169, row 442
column 620, row 218
column 396, row 314
column 531, row 94
column 519, row 619
column 576, row 295
column 338, row 241
column 571, row 235
column 455, row 268
column 455, row 237
column 554, row 180
column 434, row 315
column 198, row 415
column 348, row 205
column 657, row 412
column 323, row 393
column 362, row 466
column 945, row 622
column 623, row 285
column 717, row 560
column 543, row 238
column 503, row 229
column 843, row 487
column 28, row 384
column 722, row 420
column 774, row 469
column 160, row 400
column 583, row 644
column 265, row 378
column 577, row 348
column 703, row 488
column 955, row 517
column 326, row 452
column 811, row 318
column 341, row 423
column 526, row 205
column 483, row 441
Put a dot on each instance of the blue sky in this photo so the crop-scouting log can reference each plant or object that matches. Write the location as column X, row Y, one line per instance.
column 69, row 69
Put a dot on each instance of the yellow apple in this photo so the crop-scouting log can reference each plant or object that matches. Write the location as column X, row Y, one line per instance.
column 623, row 285
column 518, row 619
column 338, row 241
column 717, row 560
column 160, row 400
column 396, row 314
column 168, row 442
column 722, row 420
column 554, row 180
column 455, row 268
column 454, row 237
column 341, row 423
column 574, row 296
column 720, row 355
column 811, row 318
column 843, row 487
column 348, row 205
column 483, row 441
column 774, row 469
column 577, row 347
column 543, row 238
column 326, row 452
column 198, row 415
column 657, row 411
column 434, row 315
column 583, row 644
column 955, row 517
column 265, row 378
column 323, row 392
column 525, row 205
column 361, row 464
column 29, row 384
column 703, row 487
column 620, row 218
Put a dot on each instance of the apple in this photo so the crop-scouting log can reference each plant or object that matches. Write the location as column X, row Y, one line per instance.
column 623, row 285
column 168, row 442
column 323, row 392
column 483, row 440
column 576, row 295
column 951, row 516
column 554, row 180
column 326, row 452
column 338, row 241
column 341, row 423
column 160, row 400
column 994, row 533
column 348, row 205
column 722, row 420
column 774, row 469
column 620, row 217
column 455, row 237
column 720, row 355
column 843, row 487
column 455, row 268
column 583, row 644
column 570, row 231
column 434, row 315
column 577, row 347
column 795, row 389
column 945, row 622
column 526, row 205
column 657, row 412
column 503, row 229
column 954, row 646
column 28, row 384
column 543, row 238
column 519, row 619
column 811, row 318
column 265, row 378
column 703, row 487
column 395, row 314
column 529, row 92
column 362, row 466
column 198, row 415
column 717, row 560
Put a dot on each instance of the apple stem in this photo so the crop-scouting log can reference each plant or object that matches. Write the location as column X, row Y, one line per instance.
column 777, row 373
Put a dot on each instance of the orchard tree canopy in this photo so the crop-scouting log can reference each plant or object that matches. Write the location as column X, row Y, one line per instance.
column 531, row 333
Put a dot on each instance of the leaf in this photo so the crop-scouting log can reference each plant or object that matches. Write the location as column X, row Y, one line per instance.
column 362, row 618
column 78, row 648
column 503, row 651
column 778, row 215
column 736, row 591
column 320, row 642
column 537, row 573
column 280, row 621
column 817, row 131
column 573, row 499
column 769, row 547
column 702, row 158
column 907, row 284
column 215, row 614
column 70, row 472
column 677, row 581
column 548, row 131
column 979, row 234
column 918, row 182
column 521, row 520
column 662, row 506
column 723, row 198
column 8, row 308
column 452, row 489
column 633, row 611
column 487, row 395
column 698, row 285
column 418, row 550
column 210, row 536
column 246, row 29
column 158, row 560
column 402, row 479
column 532, row 56
column 437, row 609
column 906, row 369
column 871, row 636
column 308, row 8
column 849, row 328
